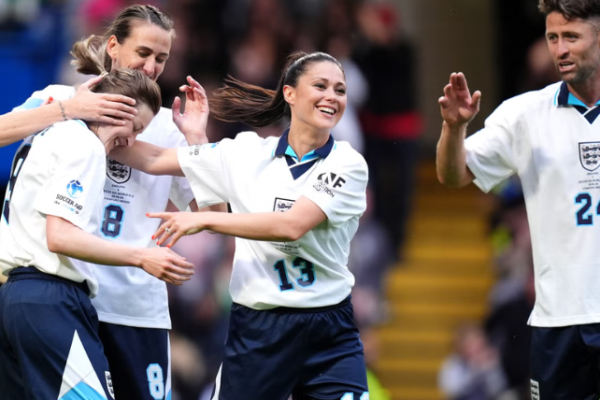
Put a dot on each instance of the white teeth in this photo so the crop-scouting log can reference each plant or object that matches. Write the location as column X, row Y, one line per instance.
column 327, row 110
column 117, row 142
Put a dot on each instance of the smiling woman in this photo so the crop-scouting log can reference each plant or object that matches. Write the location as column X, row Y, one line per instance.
column 296, row 202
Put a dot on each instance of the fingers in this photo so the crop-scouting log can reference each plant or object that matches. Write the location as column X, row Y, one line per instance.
column 117, row 98
column 175, row 238
column 111, row 121
column 161, row 215
column 476, row 101
column 461, row 82
column 90, row 82
column 176, row 107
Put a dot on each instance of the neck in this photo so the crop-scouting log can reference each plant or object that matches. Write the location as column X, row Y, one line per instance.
column 107, row 139
column 305, row 139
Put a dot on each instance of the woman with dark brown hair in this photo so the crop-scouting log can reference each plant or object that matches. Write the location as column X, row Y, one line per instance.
column 296, row 202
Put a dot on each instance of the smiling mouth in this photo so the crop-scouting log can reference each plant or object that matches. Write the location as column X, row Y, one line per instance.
column 327, row 111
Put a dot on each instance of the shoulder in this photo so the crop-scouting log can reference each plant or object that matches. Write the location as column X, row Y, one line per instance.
column 251, row 141
column 74, row 138
column 526, row 103
column 58, row 92
column 344, row 155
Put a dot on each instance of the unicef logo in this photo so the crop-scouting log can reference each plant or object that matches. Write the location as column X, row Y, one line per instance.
column 74, row 188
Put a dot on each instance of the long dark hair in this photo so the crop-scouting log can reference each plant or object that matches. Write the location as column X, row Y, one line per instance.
column 253, row 105
column 125, row 81
column 122, row 27
column 570, row 9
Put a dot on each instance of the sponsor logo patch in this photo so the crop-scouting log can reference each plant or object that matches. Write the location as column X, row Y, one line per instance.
column 282, row 205
column 74, row 189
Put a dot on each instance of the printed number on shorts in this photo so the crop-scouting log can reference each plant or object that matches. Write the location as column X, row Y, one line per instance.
column 156, row 383
column 306, row 268
column 584, row 217
column 14, row 174
column 113, row 216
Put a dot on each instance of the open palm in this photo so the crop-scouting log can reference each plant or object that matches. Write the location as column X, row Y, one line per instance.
column 457, row 105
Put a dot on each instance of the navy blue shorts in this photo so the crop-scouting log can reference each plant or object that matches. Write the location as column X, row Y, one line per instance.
column 139, row 359
column 49, row 344
column 308, row 353
column 565, row 363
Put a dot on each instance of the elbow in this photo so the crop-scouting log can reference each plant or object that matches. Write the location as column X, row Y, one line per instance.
column 293, row 231
column 56, row 242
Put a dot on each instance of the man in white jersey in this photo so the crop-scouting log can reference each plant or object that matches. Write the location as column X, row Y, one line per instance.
column 133, row 308
column 550, row 138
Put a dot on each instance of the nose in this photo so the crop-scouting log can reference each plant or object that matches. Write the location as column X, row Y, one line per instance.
column 149, row 67
column 562, row 49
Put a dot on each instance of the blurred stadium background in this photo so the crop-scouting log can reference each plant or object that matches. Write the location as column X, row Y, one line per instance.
column 443, row 276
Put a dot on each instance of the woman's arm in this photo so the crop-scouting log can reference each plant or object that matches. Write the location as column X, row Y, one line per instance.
column 86, row 105
column 148, row 158
column 67, row 239
column 273, row 226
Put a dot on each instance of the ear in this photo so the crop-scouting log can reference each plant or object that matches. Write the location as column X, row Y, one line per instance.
column 289, row 94
column 112, row 46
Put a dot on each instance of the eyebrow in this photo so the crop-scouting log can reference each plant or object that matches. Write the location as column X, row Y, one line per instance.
column 145, row 48
column 327, row 80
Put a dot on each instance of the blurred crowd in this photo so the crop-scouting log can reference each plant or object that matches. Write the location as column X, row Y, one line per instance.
column 249, row 40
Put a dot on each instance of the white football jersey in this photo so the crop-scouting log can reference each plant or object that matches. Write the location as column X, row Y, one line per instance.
column 257, row 175
column 61, row 174
column 555, row 150
column 128, row 295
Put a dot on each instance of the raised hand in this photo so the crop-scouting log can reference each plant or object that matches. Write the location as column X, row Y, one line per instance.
column 457, row 106
column 176, row 225
column 99, row 107
column 192, row 122
column 167, row 265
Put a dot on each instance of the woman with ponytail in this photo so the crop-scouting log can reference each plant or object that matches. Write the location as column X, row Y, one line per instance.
column 296, row 201
column 132, row 306
column 49, row 341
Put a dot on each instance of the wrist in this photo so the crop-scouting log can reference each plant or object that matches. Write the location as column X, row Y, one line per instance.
column 137, row 257
column 196, row 138
column 455, row 129
column 65, row 109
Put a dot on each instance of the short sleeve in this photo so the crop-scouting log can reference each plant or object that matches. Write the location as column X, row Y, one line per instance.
column 58, row 92
column 181, row 192
column 205, row 167
column 340, row 190
column 78, row 178
column 490, row 152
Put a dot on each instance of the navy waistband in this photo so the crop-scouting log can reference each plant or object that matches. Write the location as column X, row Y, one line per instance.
column 34, row 273
column 297, row 310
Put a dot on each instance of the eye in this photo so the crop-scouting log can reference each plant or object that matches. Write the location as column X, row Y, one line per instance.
column 161, row 60
column 320, row 86
column 341, row 91
column 143, row 55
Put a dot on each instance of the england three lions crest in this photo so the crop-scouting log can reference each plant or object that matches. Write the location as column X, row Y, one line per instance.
column 117, row 172
column 589, row 155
